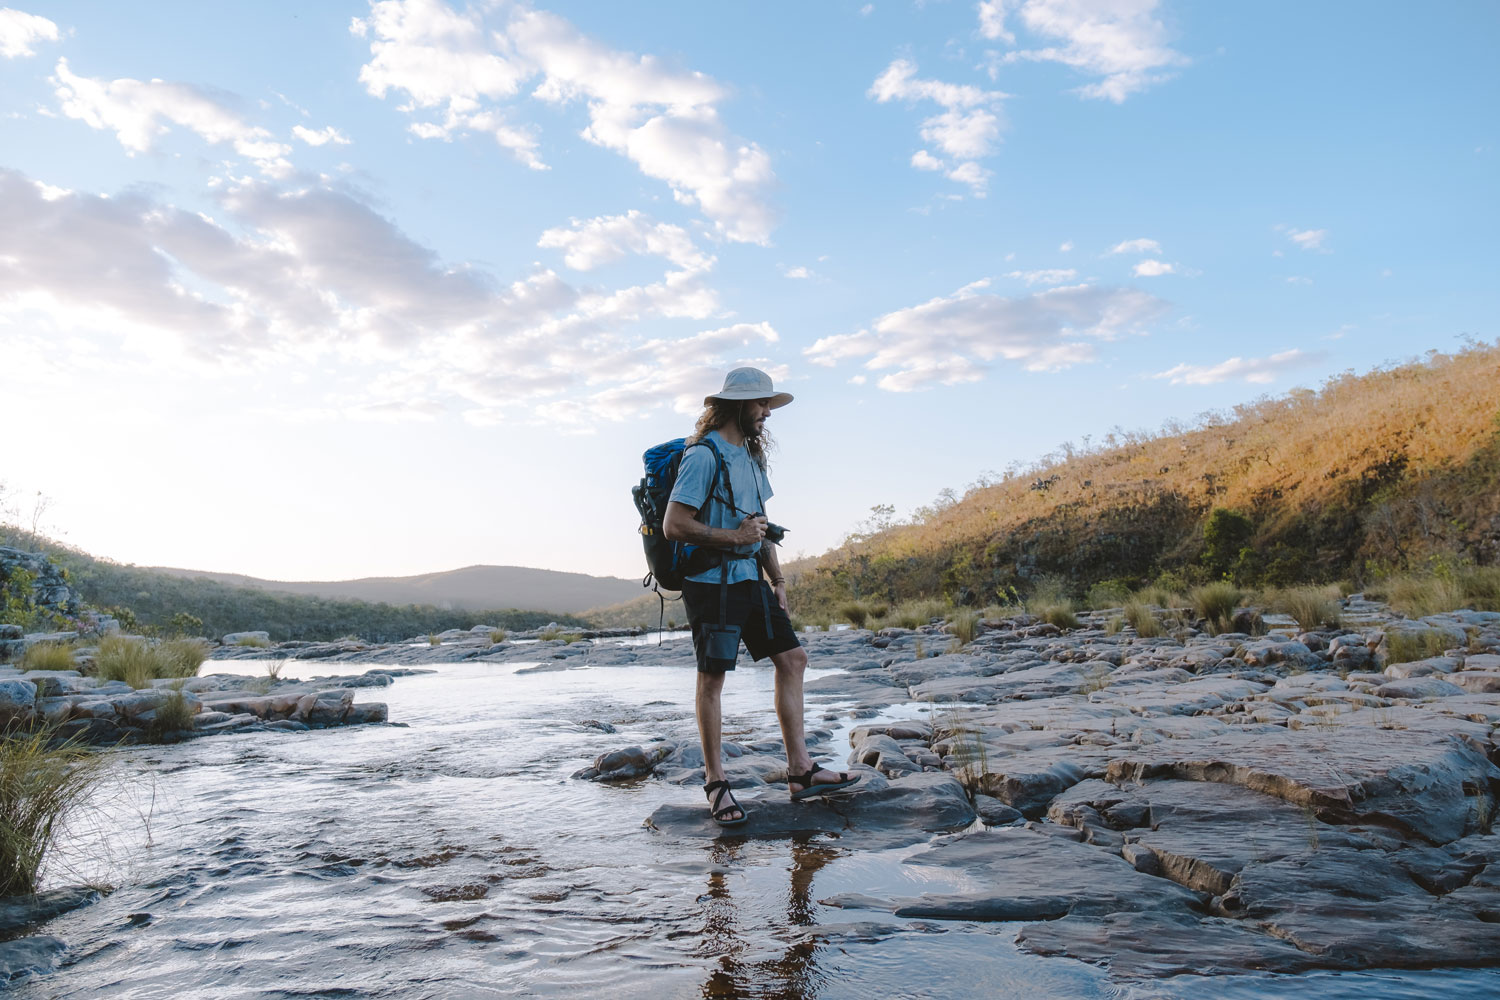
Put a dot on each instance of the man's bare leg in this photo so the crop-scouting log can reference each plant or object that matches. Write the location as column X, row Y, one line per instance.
column 790, row 666
column 710, row 730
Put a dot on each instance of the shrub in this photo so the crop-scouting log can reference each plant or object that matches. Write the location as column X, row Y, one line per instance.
column 1216, row 603
column 180, row 657
column 1049, row 590
column 964, row 625
column 854, row 613
column 1060, row 614
column 879, row 609
column 498, row 635
column 1309, row 607
column 42, row 784
column 1407, row 647
column 1142, row 620
column 1107, row 594
column 1419, row 596
column 48, row 656
column 1224, row 534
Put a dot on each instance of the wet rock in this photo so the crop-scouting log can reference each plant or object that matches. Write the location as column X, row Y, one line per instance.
column 994, row 812
column 626, row 764
column 17, row 700
column 19, row 914
column 1019, row 874
column 884, row 755
column 29, row 956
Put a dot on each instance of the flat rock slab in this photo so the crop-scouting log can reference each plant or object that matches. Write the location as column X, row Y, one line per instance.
column 1414, row 781
column 918, row 803
column 1139, row 945
column 1020, row 874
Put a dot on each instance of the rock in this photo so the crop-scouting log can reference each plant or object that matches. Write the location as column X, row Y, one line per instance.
column 1417, row 688
column 11, row 632
column 17, row 700
column 1412, row 781
column 19, row 914
column 29, row 956
column 884, row 754
column 1476, row 681
column 1422, row 668
column 994, row 812
column 626, row 764
column 1014, row 873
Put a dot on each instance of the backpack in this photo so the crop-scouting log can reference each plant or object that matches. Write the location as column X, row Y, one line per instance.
column 669, row 563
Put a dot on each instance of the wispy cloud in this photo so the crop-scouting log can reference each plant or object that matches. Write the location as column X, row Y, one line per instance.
column 1141, row 245
column 468, row 64
column 1045, row 276
column 1255, row 370
column 320, row 137
column 1125, row 43
column 948, row 340
column 1152, row 268
column 1305, row 239
column 139, row 112
column 965, row 132
column 19, row 31
column 594, row 242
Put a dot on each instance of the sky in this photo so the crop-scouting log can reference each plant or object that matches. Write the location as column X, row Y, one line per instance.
column 318, row 291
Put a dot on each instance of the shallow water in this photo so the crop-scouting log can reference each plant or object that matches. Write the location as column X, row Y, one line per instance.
column 453, row 857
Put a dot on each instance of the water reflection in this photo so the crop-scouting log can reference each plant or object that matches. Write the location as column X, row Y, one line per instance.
column 741, row 972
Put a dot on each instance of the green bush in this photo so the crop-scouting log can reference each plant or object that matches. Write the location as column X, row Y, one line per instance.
column 42, row 784
column 48, row 656
column 1216, row 603
column 1225, row 534
column 1060, row 614
column 1408, row 647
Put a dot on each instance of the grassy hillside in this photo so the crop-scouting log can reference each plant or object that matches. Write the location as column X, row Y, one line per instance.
column 1390, row 471
column 470, row 588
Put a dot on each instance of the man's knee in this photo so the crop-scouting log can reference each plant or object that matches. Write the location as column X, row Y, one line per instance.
column 710, row 684
column 792, row 661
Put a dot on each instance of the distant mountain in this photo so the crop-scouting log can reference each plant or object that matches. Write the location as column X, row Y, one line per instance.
column 470, row 588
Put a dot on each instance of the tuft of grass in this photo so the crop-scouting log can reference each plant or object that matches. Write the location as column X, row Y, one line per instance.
column 915, row 614
column 1142, row 619
column 855, row 613
column 42, row 785
column 1107, row 594
column 1309, row 607
column 138, row 663
column 879, row 609
column 47, row 656
column 498, row 635
column 273, row 669
column 1476, row 587
column 1060, row 614
column 172, row 715
column 569, row 638
column 433, row 640
column 1161, row 597
column 253, row 641
column 1408, row 647
column 1216, row 602
column 964, row 625
column 546, row 635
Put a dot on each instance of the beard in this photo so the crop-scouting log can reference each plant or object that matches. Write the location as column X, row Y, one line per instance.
column 748, row 427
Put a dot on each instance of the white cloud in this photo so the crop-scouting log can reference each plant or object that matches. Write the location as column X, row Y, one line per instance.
column 139, row 112
column 296, row 277
column 966, row 130
column 1046, row 276
column 1298, row 279
column 594, row 242
column 1150, row 268
column 948, row 340
column 20, row 30
column 1256, row 370
column 1135, row 246
column 799, row 273
column 1306, row 239
column 1122, row 41
column 320, row 137
column 1066, row 246
column 664, row 121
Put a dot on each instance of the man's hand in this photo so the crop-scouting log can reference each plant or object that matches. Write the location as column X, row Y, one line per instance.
column 751, row 530
column 780, row 590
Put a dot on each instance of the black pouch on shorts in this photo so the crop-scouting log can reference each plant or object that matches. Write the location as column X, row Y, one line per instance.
column 723, row 646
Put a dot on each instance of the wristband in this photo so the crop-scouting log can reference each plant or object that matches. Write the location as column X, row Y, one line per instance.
column 777, row 580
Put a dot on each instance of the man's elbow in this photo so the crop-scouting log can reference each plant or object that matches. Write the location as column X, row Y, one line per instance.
column 673, row 525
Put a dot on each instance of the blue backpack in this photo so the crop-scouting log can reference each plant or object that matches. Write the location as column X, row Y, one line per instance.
column 669, row 563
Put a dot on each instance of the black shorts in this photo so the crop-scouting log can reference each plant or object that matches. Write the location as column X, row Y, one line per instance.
column 746, row 611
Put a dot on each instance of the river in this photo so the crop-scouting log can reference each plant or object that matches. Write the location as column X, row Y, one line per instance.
column 452, row 856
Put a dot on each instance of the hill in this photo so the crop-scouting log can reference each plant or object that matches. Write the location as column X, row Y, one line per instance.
column 1394, row 470
column 471, row 588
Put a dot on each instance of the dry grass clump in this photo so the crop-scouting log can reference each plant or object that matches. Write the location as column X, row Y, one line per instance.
column 138, row 663
column 254, row 641
column 856, row 613
column 1473, row 587
column 47, row 656
column 1060, row 614
column 964, row 625
column 171, row 716
column 1216, row 602
column 915, row 614
column 1141, row 618
column 1408, row 647
column 497, row 636
column 1107, row 594
column 1162, row 597
column 1309, row 607
column 42, row 784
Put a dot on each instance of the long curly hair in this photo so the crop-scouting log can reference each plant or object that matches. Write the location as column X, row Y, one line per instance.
column 723, row 411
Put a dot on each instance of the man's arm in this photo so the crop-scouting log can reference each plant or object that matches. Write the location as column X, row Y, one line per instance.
column 772, row 563
column 680, row 524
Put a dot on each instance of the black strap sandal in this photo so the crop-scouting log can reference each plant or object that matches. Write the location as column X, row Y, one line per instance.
column 809, row 789
column 717, row 792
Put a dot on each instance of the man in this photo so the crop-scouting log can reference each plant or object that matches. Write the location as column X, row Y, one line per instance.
column 726, row 513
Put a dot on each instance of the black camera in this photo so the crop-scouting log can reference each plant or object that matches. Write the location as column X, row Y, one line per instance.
column 774, row 533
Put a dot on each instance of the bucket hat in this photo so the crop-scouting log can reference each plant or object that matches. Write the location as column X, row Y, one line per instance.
column 749, row 383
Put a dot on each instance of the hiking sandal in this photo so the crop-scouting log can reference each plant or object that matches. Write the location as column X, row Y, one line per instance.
column 717, row 792
column 810, row 789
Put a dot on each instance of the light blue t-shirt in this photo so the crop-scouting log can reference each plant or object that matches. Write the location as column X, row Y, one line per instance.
column 751, row 491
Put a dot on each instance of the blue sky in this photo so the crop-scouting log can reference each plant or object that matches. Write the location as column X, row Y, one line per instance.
column 341, row 289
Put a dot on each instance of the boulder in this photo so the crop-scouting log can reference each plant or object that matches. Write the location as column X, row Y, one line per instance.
column 17, row 700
